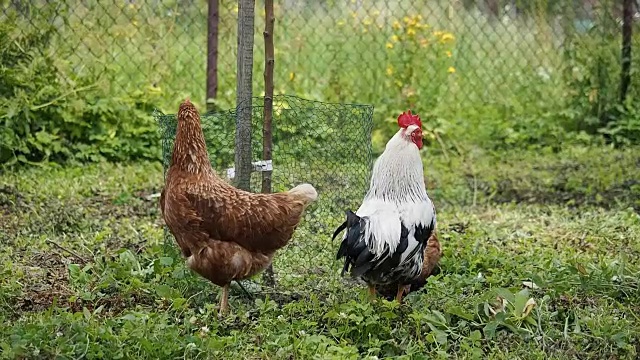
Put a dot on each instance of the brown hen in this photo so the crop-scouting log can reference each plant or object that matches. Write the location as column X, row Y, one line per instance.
column 224, row 233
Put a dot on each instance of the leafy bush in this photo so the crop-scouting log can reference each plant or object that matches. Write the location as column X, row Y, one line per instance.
column 48, row 115
column 593, row 80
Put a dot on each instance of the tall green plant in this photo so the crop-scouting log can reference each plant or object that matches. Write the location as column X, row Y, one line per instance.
column 593, row 81
column 48, row 115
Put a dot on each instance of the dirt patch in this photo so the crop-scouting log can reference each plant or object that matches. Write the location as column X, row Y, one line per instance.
column 46, row 280
column 47, row 284
column 113, row 304
column 139, row 204
column 54, row 216
column 574, row 192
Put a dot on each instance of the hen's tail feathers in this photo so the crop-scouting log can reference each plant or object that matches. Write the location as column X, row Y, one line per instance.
column 306, row 192
column 353, row 247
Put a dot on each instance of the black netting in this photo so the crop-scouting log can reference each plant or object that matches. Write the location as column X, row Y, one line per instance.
column 327, row 145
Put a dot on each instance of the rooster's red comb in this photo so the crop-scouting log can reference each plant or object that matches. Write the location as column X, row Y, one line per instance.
column 407, row 118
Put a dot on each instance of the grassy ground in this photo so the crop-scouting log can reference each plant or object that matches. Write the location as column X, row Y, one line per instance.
column 540, row 261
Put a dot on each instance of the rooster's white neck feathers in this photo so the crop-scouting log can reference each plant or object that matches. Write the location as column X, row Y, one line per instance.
column 398, row 174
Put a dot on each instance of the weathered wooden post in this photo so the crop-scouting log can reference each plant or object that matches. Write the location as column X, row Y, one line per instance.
column 627, row 32
column 243, row 166
column 212, row 52
column 269, row 62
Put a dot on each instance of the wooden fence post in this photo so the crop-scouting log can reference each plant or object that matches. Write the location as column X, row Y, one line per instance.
column 243, row 166
column 269, row 62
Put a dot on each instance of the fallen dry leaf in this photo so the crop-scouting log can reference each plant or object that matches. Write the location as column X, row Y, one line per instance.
column 498, row 305
column 530, row 304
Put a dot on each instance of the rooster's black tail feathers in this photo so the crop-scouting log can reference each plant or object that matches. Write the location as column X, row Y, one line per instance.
column 353, row 247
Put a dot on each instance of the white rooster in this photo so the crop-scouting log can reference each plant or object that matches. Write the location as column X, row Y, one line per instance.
column 386, row 239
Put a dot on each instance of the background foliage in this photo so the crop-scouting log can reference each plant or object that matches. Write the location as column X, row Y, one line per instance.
column 495, row 74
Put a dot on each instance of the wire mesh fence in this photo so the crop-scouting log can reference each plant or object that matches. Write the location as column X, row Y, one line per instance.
column 327, row 145
column 441, row 55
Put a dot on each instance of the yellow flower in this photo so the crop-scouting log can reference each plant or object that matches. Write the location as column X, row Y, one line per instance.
column 424, row 42
column 396, row 25
column 395, row 38
column 340, row 22
column 411, row 31
column 366, row 21
column 447, row 37
column 406, row 19
column 389, row 70
column 451, row 70
column 292, row 76
column 376, row 13
column 437, row 33
column 448, row 53
column 389, row 45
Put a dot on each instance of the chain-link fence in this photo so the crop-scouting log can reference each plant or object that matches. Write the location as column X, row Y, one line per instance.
column 435, row 55
column 327, row 145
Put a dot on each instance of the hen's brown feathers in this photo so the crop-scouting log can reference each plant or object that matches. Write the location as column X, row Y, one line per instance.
column 257, row 222
column 225, row 233
column 432, row 255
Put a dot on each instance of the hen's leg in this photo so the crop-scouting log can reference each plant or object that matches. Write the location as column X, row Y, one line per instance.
column 224, row 301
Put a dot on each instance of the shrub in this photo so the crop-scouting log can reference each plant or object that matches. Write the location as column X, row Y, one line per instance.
column 593, row 79
column 49, row 115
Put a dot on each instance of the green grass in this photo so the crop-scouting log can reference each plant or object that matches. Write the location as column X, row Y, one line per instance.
column 85, row 271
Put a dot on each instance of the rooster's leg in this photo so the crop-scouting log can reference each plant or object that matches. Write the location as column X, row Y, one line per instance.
column 372, row 291
column 224, row 301
column 401, row 290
